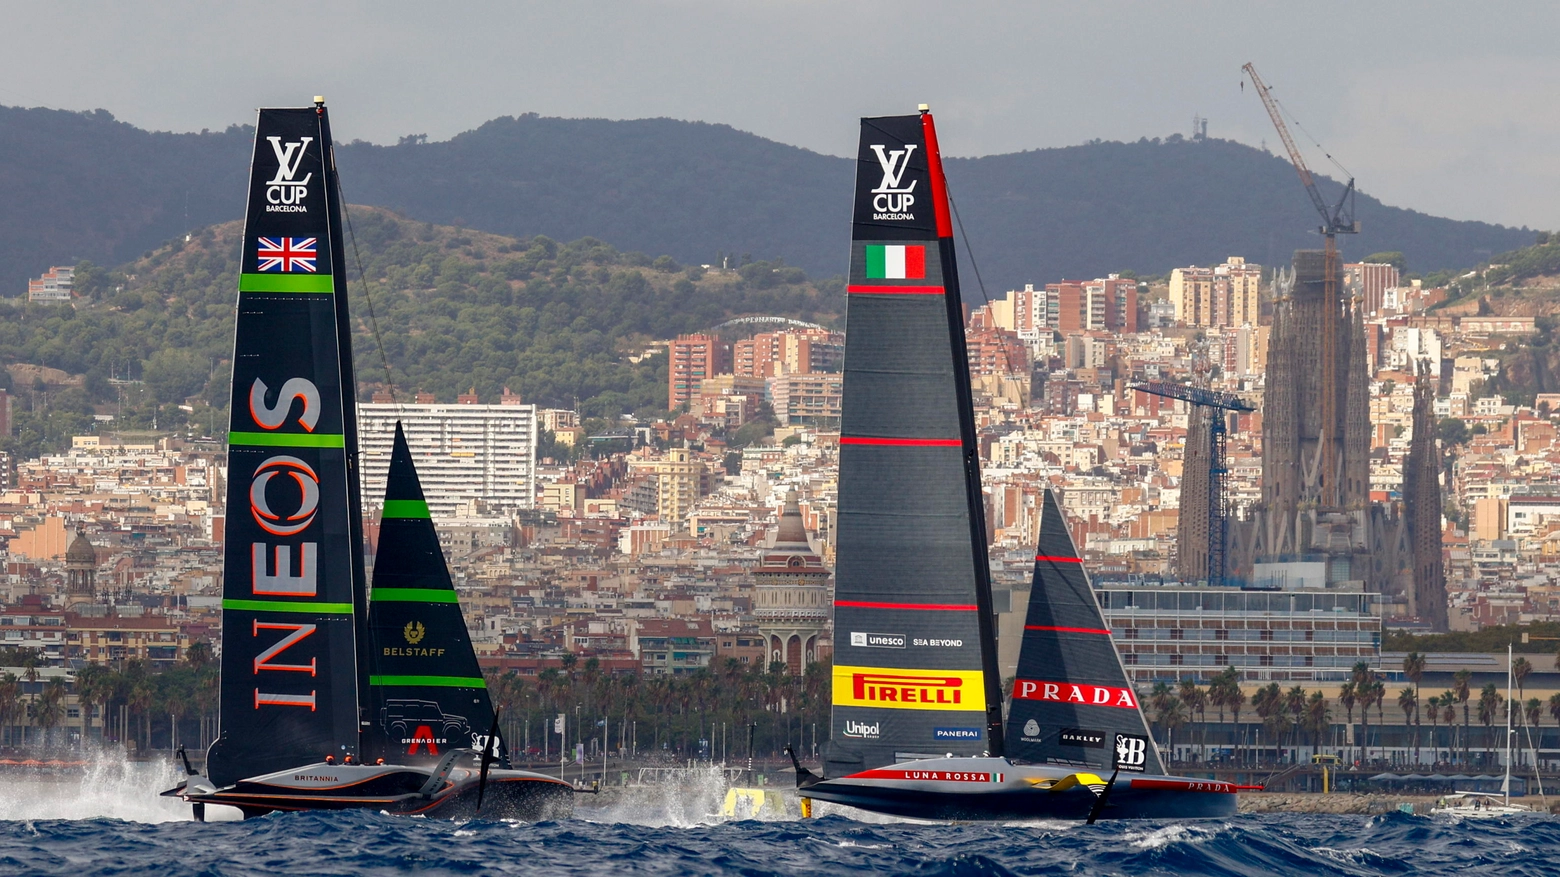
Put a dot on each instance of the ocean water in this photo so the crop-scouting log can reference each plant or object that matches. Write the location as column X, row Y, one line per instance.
column 107, row 820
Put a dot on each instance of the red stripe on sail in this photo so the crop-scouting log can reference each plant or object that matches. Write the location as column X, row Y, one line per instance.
column 915, row 263
column 1094, row 630
column 939, row 186
column 1040, row 557
column 858, row 289
column 901, row 442
column 936, row 607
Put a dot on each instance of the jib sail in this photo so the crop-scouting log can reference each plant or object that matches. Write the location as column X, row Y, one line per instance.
column 293, row 565
column 1072, row 701
column 915, row 666
column 426, row 692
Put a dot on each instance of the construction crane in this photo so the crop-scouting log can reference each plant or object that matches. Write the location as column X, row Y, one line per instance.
column 1217, row 403
column 1337, row 219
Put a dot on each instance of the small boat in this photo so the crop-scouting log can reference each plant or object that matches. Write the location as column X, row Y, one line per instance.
column 917, row 727
column 330, row 700
column 1477, row 805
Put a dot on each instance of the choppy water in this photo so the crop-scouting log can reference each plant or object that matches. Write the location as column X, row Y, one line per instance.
column 108, row 821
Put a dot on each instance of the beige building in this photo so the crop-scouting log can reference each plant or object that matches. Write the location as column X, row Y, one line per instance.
column 679, row 481
column 1225, row 295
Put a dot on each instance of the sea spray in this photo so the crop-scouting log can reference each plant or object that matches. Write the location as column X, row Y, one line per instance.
column 108, row 785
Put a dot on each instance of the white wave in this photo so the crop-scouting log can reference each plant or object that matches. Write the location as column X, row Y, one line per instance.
column 108, row 786
column 1159, row 837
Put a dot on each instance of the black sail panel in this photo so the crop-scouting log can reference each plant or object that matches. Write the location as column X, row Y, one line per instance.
column 1072, row 702
column 914, row 673
column 292, row 577
column 426, row 692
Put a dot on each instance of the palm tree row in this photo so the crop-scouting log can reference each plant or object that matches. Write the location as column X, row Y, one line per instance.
column 704, row 714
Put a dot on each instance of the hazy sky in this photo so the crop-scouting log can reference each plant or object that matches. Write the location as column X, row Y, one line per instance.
column 1449, row 108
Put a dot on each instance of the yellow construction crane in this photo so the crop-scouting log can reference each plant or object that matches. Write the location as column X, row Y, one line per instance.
column 1337, row 219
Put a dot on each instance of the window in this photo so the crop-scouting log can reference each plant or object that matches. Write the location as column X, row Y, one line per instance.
column 1310, row 635
column 1267, row 636
column 1177, row 633
column 1222, row 660
column 1129, row 658
column 1221, row 634
column 1267, row 660
column 1132, row 633
column 1177, row 659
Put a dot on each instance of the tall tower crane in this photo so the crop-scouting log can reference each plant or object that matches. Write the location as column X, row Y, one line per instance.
column 1218, row 503
column 1337, row 219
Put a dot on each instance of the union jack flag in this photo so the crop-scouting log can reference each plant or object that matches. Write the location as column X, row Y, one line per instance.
column 287, row 254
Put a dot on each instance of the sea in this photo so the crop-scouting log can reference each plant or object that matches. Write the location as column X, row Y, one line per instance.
column 106, row 819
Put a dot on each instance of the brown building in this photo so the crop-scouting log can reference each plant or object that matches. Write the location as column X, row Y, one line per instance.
column 692, row 358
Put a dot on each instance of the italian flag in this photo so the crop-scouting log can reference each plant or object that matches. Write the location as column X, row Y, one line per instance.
column 895, row 262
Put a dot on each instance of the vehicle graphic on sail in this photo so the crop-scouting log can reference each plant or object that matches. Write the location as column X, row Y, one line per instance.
column 911, row 562
column 306, row 657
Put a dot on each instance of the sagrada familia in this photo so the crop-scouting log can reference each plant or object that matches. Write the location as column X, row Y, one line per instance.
column 1316, row 500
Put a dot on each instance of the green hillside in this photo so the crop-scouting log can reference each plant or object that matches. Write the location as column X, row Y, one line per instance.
column 558, row 323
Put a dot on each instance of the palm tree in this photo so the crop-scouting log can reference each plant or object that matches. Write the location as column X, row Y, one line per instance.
column 1520, row 668
column 1434, row 703
column 1348, row 697
column 93, row 687
column 1408, row 702
column 1489, row 706
column 1317, row 718
column 1532, row 710
column 1171, row 715
column 1460, row 690
column 30, row 675
column 1235, row 698
column 11, row 702
column 50, row 707
column 1196, row 703
column 1268, row 701
column 1294, row 704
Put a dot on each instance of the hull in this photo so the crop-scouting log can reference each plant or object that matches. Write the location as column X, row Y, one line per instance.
column 995, row 788
column 394, row 789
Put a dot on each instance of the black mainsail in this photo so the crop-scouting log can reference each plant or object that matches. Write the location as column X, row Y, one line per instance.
column 426, row 691
column 292, row 598
column 915, row 660
column 1072, row 702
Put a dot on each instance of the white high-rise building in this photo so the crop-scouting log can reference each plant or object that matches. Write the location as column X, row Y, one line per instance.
column 465, row 454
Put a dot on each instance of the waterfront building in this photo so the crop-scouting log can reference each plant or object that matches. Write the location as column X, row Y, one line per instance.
column 791, row 593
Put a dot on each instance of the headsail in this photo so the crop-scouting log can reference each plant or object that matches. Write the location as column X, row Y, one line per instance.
column 427, row 694
column 1072, row 701
column 293, row 567
column 915, row 663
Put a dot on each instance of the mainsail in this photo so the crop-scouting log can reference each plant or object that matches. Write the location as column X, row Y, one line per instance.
column 293, row 567
column 915, row 663
column 427, row 694
column 1072, row 701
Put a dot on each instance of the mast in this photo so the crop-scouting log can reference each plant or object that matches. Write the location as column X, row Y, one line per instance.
column 293, row 601
column 985, row 617
column 1505, row 785
column 915, row 671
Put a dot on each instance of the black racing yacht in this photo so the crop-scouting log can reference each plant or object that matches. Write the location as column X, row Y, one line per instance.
column 917, row 727
column 332, row 698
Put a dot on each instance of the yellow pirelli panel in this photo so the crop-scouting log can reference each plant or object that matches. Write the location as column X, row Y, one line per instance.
column 951, row 690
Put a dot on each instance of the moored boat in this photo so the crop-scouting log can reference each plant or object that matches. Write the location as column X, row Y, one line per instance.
column 917, row 726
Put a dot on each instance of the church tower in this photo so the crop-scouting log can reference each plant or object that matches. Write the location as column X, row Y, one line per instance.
column 792, row 595
column 80, row 571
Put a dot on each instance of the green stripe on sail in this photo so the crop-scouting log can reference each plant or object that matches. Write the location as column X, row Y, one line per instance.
column 286, row 283
column 288, row 606
column 877, row 262
column 406, row 508
column 287, row 440
column 429, row 681
column 413, row 595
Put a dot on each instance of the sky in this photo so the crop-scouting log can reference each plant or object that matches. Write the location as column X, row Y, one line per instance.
column 1447, row 108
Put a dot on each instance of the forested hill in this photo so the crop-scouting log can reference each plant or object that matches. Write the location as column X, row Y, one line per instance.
column 560, row 324
column 84, row 186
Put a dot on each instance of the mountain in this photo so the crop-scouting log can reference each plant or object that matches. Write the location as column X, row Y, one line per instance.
column 563, row 325
column 79, row 186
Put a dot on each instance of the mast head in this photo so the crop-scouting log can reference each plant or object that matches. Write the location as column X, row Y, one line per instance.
column 319, row 100
column 924, row 108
